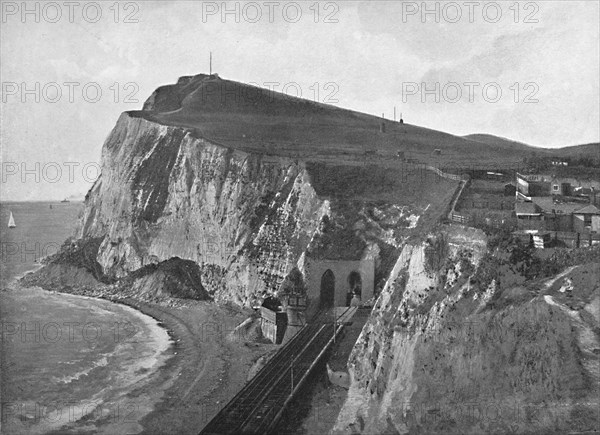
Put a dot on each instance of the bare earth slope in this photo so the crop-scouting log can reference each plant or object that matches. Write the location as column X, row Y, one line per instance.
column 443, row 354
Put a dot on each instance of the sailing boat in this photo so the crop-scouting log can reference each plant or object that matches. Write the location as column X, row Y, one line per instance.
column 11, row 221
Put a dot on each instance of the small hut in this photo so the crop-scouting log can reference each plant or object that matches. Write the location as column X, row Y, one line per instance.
column 273, row 322
column 510, row 189
column 292, row 293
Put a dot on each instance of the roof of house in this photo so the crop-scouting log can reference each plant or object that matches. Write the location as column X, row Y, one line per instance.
column 588, row 209
column 583, row 190
column 593, row 184
column 548, row 205
column 568, row 180
column 573, row 181
column 535, row 178
column 577, row 182
column 527, row 208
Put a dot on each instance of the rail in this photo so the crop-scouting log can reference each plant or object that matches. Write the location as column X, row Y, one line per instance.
column 259, row 405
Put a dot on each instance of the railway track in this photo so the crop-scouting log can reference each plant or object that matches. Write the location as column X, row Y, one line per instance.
column 258, row 406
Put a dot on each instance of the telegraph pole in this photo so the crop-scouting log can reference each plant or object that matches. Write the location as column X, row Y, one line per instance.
column 210, row 63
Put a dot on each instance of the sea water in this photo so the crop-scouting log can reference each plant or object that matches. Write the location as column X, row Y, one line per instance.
column 66, row 359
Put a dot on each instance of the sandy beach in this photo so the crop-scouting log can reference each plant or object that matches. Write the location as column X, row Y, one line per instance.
column 195, row 365
column 210, row 364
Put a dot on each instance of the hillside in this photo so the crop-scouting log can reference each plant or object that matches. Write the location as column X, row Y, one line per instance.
column 254, row 119
column 242, row 189
column 591, row 149
column 585, row 150
column 498, row 141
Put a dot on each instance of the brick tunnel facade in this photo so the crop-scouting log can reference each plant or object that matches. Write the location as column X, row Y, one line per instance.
column 340, row 278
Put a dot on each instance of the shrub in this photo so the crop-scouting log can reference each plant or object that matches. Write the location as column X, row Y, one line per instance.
column 436, row 253
column 293, row 284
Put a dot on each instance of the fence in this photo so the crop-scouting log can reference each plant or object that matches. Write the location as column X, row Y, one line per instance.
column 455, row 217
column 560, row 239
column 576, row 240
column 488, row 205
column 463, row 181
column 444, row 174
column 452, row 215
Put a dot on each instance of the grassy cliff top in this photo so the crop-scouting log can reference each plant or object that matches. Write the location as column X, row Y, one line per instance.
column 255, row 119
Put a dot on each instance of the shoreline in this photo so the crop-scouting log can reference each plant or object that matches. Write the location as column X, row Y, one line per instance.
column 156, row 356
column 200, row 370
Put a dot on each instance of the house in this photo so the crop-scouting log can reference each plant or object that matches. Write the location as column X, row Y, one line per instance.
column 529, row 215
column 555, row 205
column 528, row 210
column 559, row 188
column 587, row 219
column 566, row 186
column 558, row 215
column 563, row 186
column 551, row 214
column 591, row 189
column 533, row 185
column 587, row 192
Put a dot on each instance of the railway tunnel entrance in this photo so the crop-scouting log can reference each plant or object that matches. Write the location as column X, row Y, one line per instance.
column 327, row 293
column 355, row 287
column 334, row 283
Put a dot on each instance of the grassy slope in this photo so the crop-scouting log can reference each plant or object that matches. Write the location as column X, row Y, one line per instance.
column 591, row 149
column 332, row 141
column 254, row 119
column 490, row 139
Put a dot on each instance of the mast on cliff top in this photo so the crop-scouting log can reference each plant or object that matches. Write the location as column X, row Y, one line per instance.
column 211, row 63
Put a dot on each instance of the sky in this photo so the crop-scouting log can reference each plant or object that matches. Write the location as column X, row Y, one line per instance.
column 528, row 71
